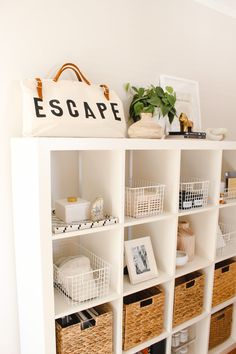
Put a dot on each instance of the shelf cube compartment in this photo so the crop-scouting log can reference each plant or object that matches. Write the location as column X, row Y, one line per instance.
column 193, row 193
column 224, row 281
column 188, row 297
column 94, row 336
column 143, row 198
column 79, row 287
column 143, row 316
column 220, row 328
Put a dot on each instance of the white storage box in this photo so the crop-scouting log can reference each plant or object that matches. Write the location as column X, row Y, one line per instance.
column 72, row 211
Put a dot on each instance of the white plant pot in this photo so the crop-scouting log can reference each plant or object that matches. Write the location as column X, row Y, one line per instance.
column 147, row 127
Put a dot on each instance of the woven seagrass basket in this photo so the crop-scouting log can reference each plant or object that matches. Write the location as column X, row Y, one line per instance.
column 93, row 340
column 220, row 329
column 189, row 295
column 224, row 281
column 143, row 316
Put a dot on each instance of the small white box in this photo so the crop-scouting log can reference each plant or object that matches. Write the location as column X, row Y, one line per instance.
column 72, row 211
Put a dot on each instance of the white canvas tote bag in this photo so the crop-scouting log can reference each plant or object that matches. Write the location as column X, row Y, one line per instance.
column 69, row 108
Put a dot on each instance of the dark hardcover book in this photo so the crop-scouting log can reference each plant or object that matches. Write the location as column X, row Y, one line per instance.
column 195, row 135
column 158, row 348
column 176, row 133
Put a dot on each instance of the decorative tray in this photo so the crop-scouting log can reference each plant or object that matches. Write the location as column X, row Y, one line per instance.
column 59, row 226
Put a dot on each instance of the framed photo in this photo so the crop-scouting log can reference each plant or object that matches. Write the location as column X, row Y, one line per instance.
column 140, row 260
column 187, row 100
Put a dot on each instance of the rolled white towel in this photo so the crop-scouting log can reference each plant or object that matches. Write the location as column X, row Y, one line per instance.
column 216, row 133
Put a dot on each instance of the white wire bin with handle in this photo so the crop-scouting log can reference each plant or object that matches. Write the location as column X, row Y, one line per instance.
column 143, row 198
column 81, row 275
column 193, row 193
column 226, row 239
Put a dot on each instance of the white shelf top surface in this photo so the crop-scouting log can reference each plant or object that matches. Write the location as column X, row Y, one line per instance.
column 190, row 322
column 64, row 235
column 138, row 221
column 54, row 143
column 197, row 263
column 129, row 288
column 224, row 348
column 223, row 305
column 63, row 307
column 147, row 343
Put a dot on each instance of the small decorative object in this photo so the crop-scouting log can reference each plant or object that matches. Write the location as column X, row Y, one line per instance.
column 72, row 209
column 183, row 350
column 150, row 100
column 216, row 133
column 181, row 258
column 187, row 100
column 175, row 340
column 97, row 212
column 59, row 226
column 186, row 125
column 186, row 239
column 140, row 260
column 184, row 335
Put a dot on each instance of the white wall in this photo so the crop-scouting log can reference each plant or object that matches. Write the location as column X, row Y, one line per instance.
column 113, row 42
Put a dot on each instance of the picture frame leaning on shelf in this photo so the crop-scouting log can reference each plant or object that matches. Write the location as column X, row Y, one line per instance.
column 140, row 259
column 187, row 101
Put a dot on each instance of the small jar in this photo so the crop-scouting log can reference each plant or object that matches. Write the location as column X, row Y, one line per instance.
column 175, row 340
column 183, row 350
column 184, row 335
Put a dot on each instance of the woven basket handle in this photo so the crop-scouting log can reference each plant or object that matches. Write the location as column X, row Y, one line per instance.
column 190, row 284
column 225, row 269
column 146, row 302
column 220, row 317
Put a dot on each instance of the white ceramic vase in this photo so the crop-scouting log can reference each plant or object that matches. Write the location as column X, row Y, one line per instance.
column 147, row 127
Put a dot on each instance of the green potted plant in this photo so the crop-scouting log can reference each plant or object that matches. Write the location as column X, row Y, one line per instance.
column 148, row 100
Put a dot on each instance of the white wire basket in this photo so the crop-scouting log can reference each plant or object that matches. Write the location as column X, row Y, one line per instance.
column 82, row 287
column 143, row 198
column 193, row 193
column 229, row 193
column 226, row 239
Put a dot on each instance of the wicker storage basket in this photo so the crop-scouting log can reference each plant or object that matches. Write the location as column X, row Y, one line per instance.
column 220, row 329
column 188, row 299
column 93, row 340
column 224, row 281
column 143, row 315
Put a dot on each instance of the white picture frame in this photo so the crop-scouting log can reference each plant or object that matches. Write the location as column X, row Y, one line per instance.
column 140, row 259
column 187, row 100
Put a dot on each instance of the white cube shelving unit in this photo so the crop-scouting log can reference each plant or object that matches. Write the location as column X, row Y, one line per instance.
column 46, row 169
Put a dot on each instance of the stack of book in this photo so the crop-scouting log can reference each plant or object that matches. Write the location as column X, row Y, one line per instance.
column 187, row 135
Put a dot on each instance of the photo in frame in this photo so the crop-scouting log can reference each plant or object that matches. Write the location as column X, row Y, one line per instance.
column 140, row 259
column 187, row 101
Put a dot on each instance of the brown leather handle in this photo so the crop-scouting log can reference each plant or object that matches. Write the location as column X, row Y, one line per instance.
column 79, row 75
column 76, row 70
